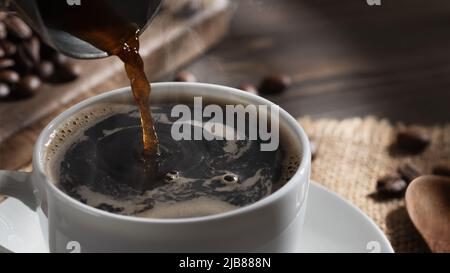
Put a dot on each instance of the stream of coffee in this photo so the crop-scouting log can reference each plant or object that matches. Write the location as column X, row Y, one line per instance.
column 97, row 23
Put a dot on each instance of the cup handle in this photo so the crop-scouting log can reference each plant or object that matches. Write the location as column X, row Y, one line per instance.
column 18, row 185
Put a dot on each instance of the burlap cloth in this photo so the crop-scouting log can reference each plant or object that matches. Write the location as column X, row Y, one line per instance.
column 353, row 153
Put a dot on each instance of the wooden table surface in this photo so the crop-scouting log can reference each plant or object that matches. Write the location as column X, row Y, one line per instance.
column 347, row 58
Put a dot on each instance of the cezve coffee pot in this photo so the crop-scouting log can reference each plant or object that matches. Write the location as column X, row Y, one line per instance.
column 137, row 12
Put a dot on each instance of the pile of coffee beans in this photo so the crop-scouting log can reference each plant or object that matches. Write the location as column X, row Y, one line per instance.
column 411, row 141
column 26, row 62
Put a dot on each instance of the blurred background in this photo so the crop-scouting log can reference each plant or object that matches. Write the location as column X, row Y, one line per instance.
column 346, row 58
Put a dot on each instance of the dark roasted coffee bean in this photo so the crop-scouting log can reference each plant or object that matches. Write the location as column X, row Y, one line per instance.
column 409, row 172
column 9, row 76
column 2, row 53
column 442, row 170
column 4, row 91
column 9, row 47
column 247, row 87
column 17, row 27
column 24, row 61
column 45, row 70
column 27, row 86
column 413, row 140
column 185, row 76
column 59, row 59
column 274, row 84
column 391, row 185
column 3, row 32
column 32, row 48
column 69, row 71
column 6, row 63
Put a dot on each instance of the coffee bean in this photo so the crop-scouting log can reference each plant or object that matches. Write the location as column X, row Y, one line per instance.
column 391, row 185
column 9, row 47
column 185, row 76
column 27, row 86
column 274, row 84
column 59, row 59
column 32, row 48
column 2, row 53
column 250, row 88
column 4, row 91
column 6, row 63
column 17, row 27
column 24, row 61
column 9, row 76
column 45, row 70
column 409, row 172
column 3, row 32
column 442, row 170
column 69, row 71
column 413, row 140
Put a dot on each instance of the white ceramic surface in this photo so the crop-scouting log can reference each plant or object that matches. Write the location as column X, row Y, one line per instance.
column 331, row 225
column 69, row 224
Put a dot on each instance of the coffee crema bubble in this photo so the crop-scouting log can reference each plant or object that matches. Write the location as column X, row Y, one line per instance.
column 95, row 157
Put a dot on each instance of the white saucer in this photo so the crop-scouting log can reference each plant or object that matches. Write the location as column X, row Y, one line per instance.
column 331, row 225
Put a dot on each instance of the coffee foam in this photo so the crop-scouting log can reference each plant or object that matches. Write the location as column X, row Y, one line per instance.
column 201, row 206
column 73, row 130
column 292, row 158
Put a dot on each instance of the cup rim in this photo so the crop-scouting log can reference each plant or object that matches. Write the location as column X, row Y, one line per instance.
column 285, row 117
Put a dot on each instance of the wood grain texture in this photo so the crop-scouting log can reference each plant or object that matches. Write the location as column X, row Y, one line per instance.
column 347, row 58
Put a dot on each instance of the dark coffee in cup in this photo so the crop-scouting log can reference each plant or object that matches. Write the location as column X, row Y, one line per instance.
column 121, row 159
column 96, row 158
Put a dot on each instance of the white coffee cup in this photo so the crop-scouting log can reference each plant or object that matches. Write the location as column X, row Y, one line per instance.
column 70, row 225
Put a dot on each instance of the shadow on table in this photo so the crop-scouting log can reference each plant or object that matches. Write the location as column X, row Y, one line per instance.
column 403, row 236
